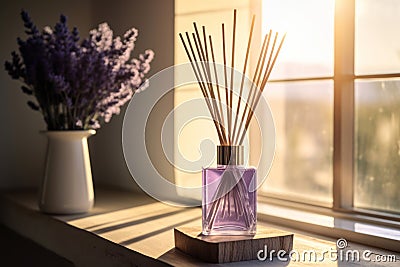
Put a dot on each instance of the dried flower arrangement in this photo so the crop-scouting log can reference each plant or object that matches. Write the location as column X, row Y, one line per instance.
column 78, row 85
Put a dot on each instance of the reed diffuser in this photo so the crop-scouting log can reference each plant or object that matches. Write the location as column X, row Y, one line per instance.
column 229, row 203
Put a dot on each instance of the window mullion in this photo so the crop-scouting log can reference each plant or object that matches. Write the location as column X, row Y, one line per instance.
column 343, row 155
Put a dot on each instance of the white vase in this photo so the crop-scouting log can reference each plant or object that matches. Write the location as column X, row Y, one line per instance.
column 67, row 186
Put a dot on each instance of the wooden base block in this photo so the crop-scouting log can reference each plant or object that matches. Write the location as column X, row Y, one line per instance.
column 220, row 249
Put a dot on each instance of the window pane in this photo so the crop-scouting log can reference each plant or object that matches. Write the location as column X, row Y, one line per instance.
column 308, row 48
column 303, row 114
column 377, row 43
column 377, row 147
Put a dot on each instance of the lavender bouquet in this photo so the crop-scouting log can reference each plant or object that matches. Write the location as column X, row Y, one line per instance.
column 76, row 84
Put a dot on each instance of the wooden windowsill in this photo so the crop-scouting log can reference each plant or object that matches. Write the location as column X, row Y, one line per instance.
column 125, row 229
column 356, row 228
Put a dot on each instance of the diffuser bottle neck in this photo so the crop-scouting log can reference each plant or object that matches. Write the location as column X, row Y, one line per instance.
column 230, row 155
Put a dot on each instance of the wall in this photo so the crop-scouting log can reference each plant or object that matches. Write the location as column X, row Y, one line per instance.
column 155, row 22
column 22, row 148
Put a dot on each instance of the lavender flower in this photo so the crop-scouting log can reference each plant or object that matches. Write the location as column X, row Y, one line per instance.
column 78, row 84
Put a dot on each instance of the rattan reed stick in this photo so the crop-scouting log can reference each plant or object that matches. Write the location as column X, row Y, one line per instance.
column 226, row 82
column 234, row 138
column 209, row 94
column 232, row 76
column 203, row 54
column 251, row 95
column 211, row 87
column 262, row 88
column 217, row 83
column 197, row 72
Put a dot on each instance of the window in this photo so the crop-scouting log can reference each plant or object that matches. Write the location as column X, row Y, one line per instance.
column 301, row 98
column 377, row 105
column 377, row 144
column 335, row 96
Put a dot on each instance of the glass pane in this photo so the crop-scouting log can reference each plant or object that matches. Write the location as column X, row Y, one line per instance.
column 308, row 48
column 377, row 146
column 377, row 43
column 303, row 114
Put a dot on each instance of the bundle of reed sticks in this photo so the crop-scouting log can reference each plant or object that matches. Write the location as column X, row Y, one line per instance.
column 231, row 118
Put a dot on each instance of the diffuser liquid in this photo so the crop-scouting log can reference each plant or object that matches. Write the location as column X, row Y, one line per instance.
column 229, row 200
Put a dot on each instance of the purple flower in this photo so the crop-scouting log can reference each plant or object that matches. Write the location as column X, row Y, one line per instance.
column 78, row 84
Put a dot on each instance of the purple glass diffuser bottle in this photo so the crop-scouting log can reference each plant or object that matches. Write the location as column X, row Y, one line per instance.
column 229, row 196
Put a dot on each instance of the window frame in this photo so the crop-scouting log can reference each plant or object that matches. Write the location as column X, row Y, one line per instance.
column 344, row 79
